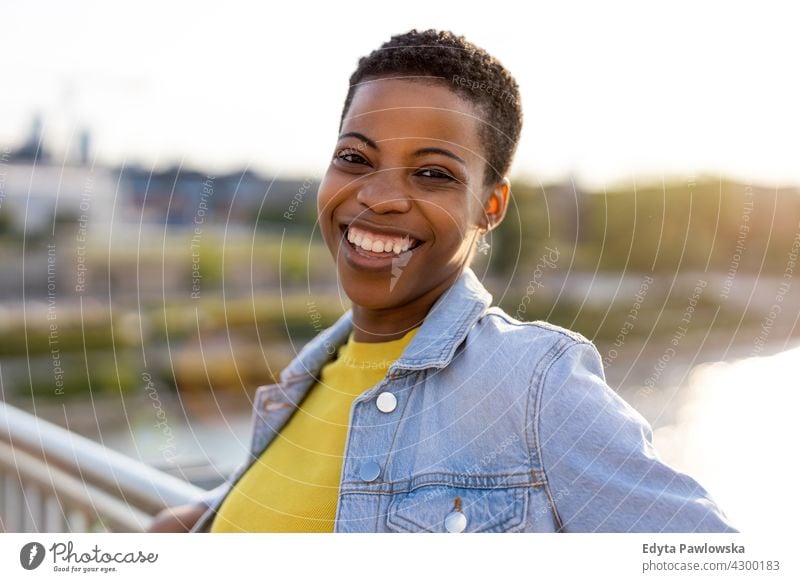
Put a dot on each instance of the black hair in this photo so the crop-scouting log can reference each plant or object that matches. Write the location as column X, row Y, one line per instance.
column 443, row 57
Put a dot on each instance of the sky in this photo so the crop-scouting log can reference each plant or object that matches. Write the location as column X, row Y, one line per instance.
column 610, row 90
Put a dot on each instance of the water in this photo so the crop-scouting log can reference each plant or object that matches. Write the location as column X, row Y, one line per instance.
column 734, row 432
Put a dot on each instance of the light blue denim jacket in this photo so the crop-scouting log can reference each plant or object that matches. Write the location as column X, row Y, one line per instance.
column 499, row 426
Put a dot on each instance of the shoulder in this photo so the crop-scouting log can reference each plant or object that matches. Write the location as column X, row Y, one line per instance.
column 497, row 324
column 534, row 352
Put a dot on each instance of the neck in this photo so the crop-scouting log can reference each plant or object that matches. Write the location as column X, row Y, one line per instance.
column 386, row 324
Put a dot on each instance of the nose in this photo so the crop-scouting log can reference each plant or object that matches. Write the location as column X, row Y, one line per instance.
column 383, row 193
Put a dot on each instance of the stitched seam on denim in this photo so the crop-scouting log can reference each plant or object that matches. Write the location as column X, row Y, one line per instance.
column 439, row 478
column 537, row 420
column 379, row 490
column 386, row 489
column 529, row 423
column 390, row 453
column 527, row 426
column 534, row 390
column 515, row 517
column 530, row 426
column 468, row 482
column 526, row 495
column 543, row 325
column 348, row 490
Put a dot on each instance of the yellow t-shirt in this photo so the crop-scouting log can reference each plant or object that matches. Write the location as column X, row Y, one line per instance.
column 294, row 484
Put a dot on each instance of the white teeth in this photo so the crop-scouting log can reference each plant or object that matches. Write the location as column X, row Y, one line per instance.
column 363, row 239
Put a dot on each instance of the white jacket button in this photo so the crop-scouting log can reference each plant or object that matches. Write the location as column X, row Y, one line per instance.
column 386, row 402
column 369, row 471
column 455, row 522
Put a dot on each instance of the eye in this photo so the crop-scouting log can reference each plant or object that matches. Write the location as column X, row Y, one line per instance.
column 350, row 156
column 436, row 174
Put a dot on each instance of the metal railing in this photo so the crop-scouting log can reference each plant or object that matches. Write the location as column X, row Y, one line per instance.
column 54, row 480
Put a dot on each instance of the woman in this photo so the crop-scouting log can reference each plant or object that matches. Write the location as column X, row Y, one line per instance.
column 424, row 408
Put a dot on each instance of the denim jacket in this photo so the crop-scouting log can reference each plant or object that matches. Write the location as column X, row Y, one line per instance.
column 499, row 426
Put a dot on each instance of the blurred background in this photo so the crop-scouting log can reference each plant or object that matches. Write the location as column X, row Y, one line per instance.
column 159, row 258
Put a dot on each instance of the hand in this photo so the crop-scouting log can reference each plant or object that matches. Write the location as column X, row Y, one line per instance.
column 179, row 519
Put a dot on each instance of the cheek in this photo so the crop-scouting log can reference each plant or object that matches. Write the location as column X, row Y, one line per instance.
column 327, row 200
column 324, row 196
column 450, row 224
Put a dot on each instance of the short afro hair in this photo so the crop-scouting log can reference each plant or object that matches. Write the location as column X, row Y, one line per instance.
column 465, row 68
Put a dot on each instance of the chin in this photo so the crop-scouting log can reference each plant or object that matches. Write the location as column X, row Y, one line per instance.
column 372, row 292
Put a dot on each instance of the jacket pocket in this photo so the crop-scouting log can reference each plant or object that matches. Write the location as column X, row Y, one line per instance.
column 436, row 508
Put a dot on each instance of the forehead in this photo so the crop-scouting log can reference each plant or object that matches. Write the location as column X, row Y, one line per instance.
column 388, row 109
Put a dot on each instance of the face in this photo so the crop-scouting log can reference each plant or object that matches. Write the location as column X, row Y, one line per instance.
column 403, row 198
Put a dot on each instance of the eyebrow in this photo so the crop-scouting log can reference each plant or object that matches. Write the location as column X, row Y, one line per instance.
column 418, row 153
column 449, row 154
column 360, row 136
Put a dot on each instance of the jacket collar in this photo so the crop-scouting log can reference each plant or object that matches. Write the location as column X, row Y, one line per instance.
column 445, row 327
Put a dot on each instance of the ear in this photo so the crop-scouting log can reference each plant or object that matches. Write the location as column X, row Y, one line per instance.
column 496, row 204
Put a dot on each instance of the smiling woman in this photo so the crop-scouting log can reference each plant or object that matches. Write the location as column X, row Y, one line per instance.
column 407, row 176
column 437, row 411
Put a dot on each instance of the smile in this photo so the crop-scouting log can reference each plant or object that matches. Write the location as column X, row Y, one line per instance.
column 378, row 242
column 374, row 250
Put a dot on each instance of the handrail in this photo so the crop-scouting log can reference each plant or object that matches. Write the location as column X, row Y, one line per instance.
column 95, row 480
column 52, row 483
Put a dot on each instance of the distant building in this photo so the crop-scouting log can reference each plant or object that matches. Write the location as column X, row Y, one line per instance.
column 32, row 149
column 173, row 196
column 38, row 196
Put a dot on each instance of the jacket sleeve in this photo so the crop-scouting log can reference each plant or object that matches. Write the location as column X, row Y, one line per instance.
column 212, row 500
column 602, row 470
column 213, row 496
